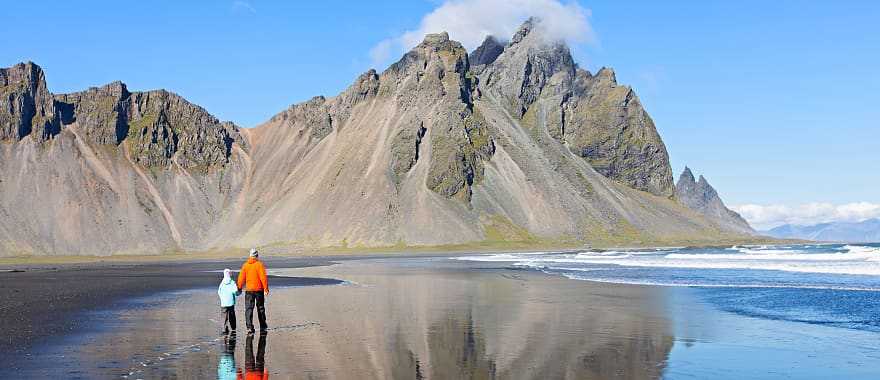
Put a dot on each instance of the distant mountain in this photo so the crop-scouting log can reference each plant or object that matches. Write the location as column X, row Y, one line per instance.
column 513, row 142
column 700, row 196
column 867, row 231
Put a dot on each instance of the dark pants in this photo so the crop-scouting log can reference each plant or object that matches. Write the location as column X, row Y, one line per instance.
column 227, row 315
column 255, row 363
column 250, row 299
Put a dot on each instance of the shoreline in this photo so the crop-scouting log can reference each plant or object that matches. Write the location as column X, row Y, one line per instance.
column 12, row 263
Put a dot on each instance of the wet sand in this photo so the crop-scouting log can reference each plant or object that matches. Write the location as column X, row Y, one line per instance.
column 47, row 301
column 440, row 318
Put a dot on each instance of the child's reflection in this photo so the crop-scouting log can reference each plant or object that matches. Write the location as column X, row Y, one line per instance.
column 226, row 365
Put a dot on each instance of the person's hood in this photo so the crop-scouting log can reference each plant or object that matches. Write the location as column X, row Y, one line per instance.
column 227, row 276
column 252, row 260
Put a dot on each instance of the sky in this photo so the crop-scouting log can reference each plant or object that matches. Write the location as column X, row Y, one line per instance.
column 776, row 103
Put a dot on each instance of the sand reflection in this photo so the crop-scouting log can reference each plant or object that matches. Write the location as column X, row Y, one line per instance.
column 418, row 322
column 404, row 320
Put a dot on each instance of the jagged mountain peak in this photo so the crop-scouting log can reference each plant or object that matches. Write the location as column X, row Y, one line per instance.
column 160, row 126
column 23, row 73
column 115, row 87
column 524, row 30
column 692, row 188
column 485, row 54
column 606, row 75
column 687, row 176
column 528, row 64
column 26, row 106
column 437, row 42
column 435, row 47
column 436, row 39
column 538, row 81
column 701, row 197
column 702, row 181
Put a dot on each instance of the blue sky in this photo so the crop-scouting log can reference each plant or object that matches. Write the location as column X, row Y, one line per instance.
column 776, row 103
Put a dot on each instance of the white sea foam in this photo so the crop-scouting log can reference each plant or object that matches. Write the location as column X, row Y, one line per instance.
column 765, row 250
column 847, row 260
column 708, row 285
column 500, row 256
column 490, row 258
column 862, row 249
column 854, row 268
column 779, row 256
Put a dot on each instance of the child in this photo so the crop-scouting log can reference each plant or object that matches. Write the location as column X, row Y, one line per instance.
column 227, row 291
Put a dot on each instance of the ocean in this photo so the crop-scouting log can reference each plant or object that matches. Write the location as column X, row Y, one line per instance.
column 824, row 284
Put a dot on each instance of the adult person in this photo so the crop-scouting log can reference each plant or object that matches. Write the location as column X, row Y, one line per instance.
column 252, row 279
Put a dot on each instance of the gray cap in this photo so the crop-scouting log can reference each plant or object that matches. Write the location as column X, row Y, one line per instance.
column 254, row 252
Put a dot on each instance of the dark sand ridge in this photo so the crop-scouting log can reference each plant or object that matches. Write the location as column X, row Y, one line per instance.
column 49, row 301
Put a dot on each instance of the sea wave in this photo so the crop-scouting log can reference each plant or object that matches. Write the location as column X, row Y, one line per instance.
column 711, row 285
column 838, row 259
column 796, row 256
column 870, row 268
column 862, row 249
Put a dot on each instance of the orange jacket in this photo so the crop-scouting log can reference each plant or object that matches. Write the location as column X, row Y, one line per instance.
column 252, row 277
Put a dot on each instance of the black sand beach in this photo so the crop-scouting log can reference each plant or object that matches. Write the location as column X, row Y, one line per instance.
column 48, row 301
column 424, row 317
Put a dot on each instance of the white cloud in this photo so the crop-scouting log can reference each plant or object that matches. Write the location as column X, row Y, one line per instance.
column 243, row 6
column 470, row 21
column 381, row 52
column 769, row 216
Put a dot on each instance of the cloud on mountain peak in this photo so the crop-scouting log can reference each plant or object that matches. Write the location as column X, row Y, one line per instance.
column 470, row 21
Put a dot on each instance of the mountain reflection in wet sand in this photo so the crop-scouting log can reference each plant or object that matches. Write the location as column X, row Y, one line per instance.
column 398, row 320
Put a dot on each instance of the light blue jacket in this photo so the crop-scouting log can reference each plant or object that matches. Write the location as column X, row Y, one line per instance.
column 227, row 291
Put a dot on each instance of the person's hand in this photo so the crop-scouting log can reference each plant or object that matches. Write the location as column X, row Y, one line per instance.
column 266, row 292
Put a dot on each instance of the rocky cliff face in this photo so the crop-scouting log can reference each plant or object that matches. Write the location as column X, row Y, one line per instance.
column 485, row 54
column 700, row 196
column 26, row 106
column 604, row 123
column 158, row 128
column 510, row 143
column 108, row 171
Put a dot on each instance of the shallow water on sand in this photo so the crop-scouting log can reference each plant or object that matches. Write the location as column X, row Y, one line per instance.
column 398, row 320
column 442, row 318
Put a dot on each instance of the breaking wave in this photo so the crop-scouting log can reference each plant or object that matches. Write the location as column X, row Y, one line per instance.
column 672, row 266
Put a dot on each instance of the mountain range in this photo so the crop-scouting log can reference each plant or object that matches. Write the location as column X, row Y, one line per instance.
column 512, row 143
column 866, row 231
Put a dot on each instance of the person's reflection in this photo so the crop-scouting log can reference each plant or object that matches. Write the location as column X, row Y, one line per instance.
column 254, row 367
column 226, row 365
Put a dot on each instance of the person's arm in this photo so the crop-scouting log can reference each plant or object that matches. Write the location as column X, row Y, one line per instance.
column 241, row 278
column 264, row 279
